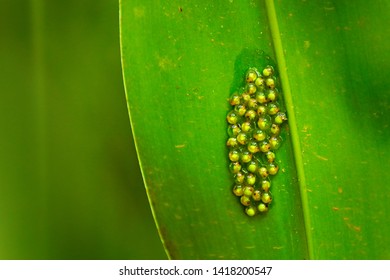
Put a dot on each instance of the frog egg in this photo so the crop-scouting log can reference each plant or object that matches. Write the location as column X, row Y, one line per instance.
column 252, row 104
column 233, row 130
column 272, row 169
column 261, row 110
column 235, row 167
column 240, row 109
column 232, row 117
column 238, row 190
column 248, row 190
column 247, row 127
column 250, row 210
column 251, row 115
column 246, row 157
column 239, row 177
column 268, row 71
column 252, row 166
column 273, row 108
column 264, row 122
column 251, row 88
column 232, row 143
column 264, row 146
column 235, row 99
column 261, row 97
column 259, row 82
column 270, row 82
column 259, row 135
column 275, row 142
column 265, row 185
column 242, row 138
column 251, row 75
column 280, row 117
column 256, row 196
column 250, row 179
column 263, row 172
column 262, row 207
column 234, row 155
column 245, row 97
column 272, row 94
column 266, row 197
column 253, row 147
column 246, row 201
column 275, row 129
column 270, row 156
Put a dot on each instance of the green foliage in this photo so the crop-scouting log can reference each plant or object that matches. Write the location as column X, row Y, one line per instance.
column 70, row 186
column 182, row 60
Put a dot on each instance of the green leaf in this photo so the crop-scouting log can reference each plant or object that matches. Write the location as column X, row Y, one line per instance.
column 182, row 60
column 337, row 67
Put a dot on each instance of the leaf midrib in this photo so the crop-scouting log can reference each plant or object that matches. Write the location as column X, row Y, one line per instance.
column 278, row 47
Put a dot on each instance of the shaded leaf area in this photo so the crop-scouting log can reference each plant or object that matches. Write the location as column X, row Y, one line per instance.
column 70, row 183
column 337, row 57
column 181, row 61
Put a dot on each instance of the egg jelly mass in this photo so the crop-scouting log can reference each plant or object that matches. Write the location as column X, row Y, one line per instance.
column 255, row 123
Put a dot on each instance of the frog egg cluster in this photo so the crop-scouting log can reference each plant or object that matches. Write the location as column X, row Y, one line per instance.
column 255, row 124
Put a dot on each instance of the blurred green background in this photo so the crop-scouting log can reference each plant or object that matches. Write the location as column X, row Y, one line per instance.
column 70, row 184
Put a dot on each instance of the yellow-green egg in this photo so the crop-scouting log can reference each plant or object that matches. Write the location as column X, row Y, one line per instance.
column 273, row 108
column 242, row 138
column 280, row 117
column 240, row 109
column 259, row 135
column 235, row 167
column 246, row 126
column 252, row 166
column 253, row 147
column 239, row 177
column 233, row 130
column 256, row 196
column 238, row 190
column 270, row 82
column 250, row 210
column 259, row 82
column 250, row 115
column 246, row 201
column 272, row 95
column 272, row 169
column 248, row 190
column 245, row 97
column 268, row 71
column 261, row 110
column 264, row 146
column 251, row 88
column 264, row 122
column 246, row 156
column 235, row 99
column 266, row 197
column 270, row 156
column 251, row 75
column 275, row 129
column 265, row 185
column 262, row 207
column 252, row 104
column 250, row 179
column 232, row 117
column 263, row 172
column 261, row 97
column 275, row 142
column 232, row 142
column 234, row 155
